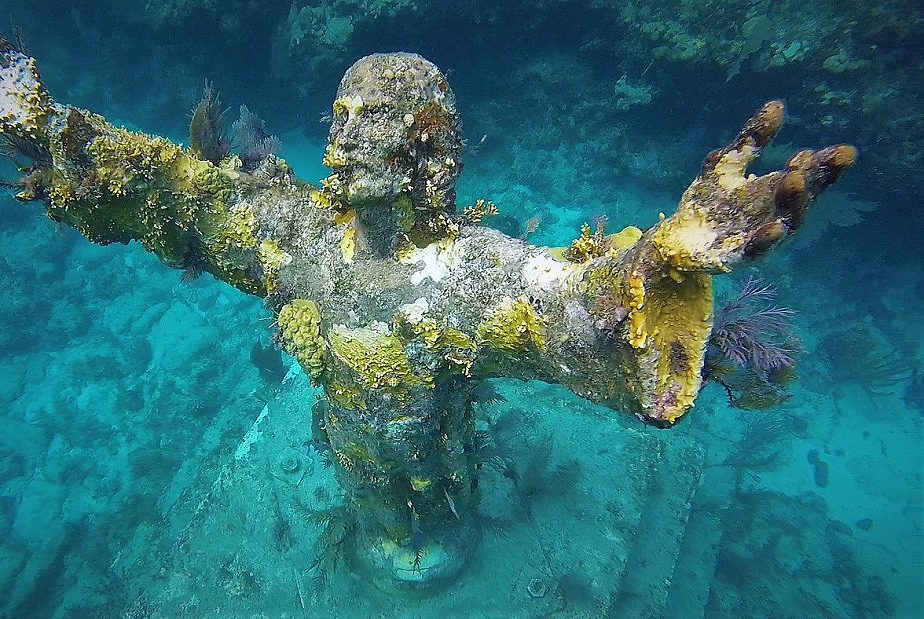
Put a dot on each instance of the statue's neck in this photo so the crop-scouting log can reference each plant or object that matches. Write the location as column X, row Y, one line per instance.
column 385, row 225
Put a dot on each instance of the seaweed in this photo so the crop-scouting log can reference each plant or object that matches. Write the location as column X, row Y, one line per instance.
column 418, row 540
column 337, row 529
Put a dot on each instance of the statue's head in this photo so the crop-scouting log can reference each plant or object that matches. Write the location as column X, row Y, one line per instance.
column 395, row 145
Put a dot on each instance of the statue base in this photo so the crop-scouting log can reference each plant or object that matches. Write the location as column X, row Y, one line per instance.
column 403, row 568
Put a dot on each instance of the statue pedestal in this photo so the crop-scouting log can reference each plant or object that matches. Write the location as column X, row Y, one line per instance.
column 397, row 569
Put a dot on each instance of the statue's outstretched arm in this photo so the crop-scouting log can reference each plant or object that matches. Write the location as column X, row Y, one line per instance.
column 625, row 321
column 115, row 186
column 724, row 217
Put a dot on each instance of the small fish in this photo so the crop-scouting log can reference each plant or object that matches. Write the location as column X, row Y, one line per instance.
column 452, row 504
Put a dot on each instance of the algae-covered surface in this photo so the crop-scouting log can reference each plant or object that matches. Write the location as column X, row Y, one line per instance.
column 157, row 456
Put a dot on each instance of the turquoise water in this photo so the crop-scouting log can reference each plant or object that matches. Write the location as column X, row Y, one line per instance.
column 148, row 426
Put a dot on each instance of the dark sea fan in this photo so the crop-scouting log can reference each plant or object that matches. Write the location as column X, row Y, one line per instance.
column 29, row 185
column 536, row 478
column 14, row 145
column 856, row 356
column 269, row 362
column 750, row 331
column 760, row 444
column 208, row 138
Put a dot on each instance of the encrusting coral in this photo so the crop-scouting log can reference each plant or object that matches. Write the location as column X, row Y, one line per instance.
column 397, row 306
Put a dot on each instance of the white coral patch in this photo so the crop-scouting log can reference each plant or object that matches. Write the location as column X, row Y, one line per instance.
column 435, row 260
column 730, row 168
column 695, row 236
column 415, row 312
column 544, row 272
column 20, row 90
column 368, row 336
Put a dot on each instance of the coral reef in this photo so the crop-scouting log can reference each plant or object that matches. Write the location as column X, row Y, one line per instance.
column 755, row 559
column 395, row 304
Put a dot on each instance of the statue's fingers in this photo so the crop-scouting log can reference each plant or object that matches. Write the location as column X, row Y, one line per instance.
column 823, row 167
column 764, row 238
column 731, row 162
column 764, row 126
column 807, row 174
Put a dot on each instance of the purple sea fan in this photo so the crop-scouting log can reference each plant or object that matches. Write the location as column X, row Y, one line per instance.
column 751, row 331
column 252, row 139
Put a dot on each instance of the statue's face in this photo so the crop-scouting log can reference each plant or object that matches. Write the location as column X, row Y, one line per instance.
column 394, row 126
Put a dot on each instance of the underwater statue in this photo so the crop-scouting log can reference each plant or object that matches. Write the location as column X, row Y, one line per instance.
column 397, row 304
